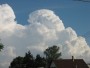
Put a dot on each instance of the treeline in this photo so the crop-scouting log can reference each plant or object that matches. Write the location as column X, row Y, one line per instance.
column 28, row 61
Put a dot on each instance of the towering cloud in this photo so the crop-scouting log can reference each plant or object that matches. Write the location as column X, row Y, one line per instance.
column 45, row 29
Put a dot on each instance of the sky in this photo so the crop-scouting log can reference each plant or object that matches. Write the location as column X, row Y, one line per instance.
column 36, row 25
column 73, row 13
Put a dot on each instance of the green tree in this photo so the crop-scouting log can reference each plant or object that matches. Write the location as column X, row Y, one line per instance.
column 52, row 53
column 17, row 62
column 23, row 62
column 28, row 60
column 40, row 61
column 1, row 46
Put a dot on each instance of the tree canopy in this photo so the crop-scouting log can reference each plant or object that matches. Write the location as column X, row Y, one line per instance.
column 40, row 61
column 1, row 46
column 28, row 61
column 17, row 62
column 52, row 53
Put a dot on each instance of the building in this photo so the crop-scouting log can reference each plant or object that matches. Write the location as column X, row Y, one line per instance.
column 68, row 63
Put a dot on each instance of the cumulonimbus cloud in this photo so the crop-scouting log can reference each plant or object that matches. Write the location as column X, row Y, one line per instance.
column 45, row 29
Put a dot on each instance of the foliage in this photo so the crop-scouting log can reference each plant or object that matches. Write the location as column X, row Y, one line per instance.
column 52, row 53
column 17, row 62
column 28, row 61
column 40, row 61
column 1, row 46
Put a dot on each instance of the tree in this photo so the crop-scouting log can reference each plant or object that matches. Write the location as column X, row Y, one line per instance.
column 23, row 62
column 40, row 61
column 17, row 62
column 52, row 53
column 1, row 46
column 28, row 60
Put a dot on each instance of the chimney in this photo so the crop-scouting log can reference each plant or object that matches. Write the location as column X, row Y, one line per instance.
column 73, row 58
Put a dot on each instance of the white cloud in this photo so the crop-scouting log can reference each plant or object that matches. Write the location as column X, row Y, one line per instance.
column 8, row 25
column 9, row 51
column 45, row 29
column 4, row 64
column 47, row 18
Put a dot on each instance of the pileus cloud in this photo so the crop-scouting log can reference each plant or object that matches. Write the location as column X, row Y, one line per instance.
column 45, row 29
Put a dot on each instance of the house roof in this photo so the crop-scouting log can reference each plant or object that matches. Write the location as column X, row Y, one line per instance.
column 69, row 63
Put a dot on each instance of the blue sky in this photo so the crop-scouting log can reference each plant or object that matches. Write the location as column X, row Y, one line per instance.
column 74, row 14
